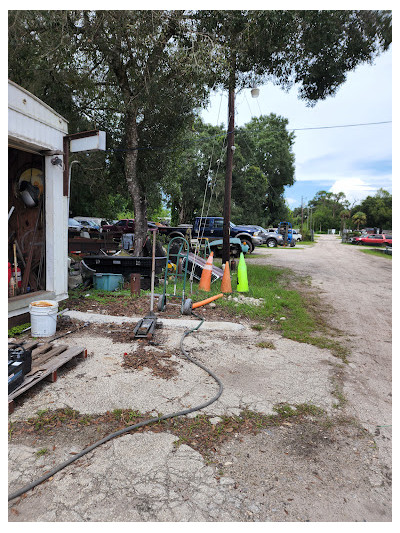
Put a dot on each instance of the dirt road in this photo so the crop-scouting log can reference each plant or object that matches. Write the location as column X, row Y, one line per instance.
column 335, row 469
column 358, row 287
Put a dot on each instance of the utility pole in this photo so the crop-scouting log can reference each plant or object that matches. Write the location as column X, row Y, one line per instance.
column 301, row 213
column 229, row 166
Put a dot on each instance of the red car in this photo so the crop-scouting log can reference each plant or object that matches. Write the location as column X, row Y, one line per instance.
column 372, row 240
column 127, row 225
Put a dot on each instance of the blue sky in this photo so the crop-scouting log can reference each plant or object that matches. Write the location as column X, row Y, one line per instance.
column 356, row 160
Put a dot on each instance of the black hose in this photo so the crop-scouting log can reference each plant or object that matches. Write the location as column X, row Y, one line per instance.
column 135, row 426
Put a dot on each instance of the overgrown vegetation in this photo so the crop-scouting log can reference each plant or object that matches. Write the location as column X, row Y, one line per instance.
column 203, row 433
column 199, row 432
column 17, row 330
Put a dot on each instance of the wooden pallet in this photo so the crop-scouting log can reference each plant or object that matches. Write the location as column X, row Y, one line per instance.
column 46, row 360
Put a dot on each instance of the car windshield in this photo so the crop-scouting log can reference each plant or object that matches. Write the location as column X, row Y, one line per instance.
column 72, row 222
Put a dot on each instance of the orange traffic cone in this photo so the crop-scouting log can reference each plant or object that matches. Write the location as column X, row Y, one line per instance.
column 205, row 280
column 226, row 285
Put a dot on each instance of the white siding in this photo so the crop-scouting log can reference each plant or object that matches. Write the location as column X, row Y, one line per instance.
column 33, row 123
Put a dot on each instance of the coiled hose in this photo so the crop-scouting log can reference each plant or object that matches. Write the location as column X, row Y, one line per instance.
column 135, row 426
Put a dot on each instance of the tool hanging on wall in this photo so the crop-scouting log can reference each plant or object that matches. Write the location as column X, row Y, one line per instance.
column 15, row 268
column 27, row 272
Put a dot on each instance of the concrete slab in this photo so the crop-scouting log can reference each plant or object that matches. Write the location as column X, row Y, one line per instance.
column 166, row 322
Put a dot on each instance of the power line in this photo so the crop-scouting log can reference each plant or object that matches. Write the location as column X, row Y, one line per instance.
column 341, row 126
column 171, row 148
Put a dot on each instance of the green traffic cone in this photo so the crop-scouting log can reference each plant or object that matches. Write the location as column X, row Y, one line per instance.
column 243, row 285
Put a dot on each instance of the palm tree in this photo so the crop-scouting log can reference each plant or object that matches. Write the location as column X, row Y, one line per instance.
column 343, row 215
column 359, row 218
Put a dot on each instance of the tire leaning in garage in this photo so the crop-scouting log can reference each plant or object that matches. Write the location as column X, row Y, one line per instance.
column 271, row 243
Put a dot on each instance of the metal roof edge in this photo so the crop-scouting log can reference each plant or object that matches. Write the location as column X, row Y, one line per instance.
column 10, row 82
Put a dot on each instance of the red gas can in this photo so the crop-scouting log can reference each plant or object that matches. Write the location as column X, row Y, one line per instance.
column 19, row 278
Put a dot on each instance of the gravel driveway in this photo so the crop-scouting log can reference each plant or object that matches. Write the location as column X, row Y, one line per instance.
column 303, row 471
column 359, row 289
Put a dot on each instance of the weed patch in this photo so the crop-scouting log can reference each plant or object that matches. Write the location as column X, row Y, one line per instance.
column 289, row 306
column 41, row 452
column 258, row 327
column 267, row 345
column 198, row 432
column 17, row 330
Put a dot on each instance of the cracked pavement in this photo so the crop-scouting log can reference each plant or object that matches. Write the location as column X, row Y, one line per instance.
column 294, row 472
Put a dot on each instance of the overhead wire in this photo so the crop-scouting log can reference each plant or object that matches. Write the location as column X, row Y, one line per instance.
column 200, row 237
column 171, row 148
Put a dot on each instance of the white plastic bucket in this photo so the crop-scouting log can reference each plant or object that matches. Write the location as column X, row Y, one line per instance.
column 43, row 318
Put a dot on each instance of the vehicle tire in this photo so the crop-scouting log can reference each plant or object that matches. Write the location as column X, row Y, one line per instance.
column 272, row 243
column 358, row 243
column 293, row 243
column 161, row 303
column 173, row 235
column 248, row 243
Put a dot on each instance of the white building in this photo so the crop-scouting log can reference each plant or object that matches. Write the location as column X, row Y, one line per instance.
column 38, row 233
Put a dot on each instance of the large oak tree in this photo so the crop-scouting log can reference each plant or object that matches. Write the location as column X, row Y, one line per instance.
column 141, row 73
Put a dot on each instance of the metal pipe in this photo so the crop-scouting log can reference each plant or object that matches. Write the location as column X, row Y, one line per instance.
column 153, row 270
column 69, row 183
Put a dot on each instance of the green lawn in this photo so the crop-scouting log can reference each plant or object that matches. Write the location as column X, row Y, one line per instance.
column 380, row 252
column 293, row 311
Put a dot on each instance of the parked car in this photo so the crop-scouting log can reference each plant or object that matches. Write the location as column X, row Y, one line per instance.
column 74, row 227
column 375, row 240
column 212, row 228
column 126, row 225
column 74, row 224
column 89, row 225
column 121, row 227
column 93, row 221
column 270, row 238
column 297, row 236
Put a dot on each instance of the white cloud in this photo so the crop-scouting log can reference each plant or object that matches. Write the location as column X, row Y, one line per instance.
column 291, row 201
column 355, row 189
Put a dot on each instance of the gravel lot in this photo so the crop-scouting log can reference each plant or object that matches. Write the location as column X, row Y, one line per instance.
column 293, row 472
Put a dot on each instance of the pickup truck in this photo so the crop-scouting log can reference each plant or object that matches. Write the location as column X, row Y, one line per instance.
column 212, row 228
column 270, row 238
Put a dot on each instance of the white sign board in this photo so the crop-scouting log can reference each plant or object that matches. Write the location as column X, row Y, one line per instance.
column 89, row 144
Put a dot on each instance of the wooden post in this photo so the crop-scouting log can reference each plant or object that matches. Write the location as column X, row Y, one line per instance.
column 135, row 284
column 229, row 167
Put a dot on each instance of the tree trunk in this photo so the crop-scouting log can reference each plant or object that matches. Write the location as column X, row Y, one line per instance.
column 134, row 185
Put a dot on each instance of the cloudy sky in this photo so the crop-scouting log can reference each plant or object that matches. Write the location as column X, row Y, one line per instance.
column 356, row 160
